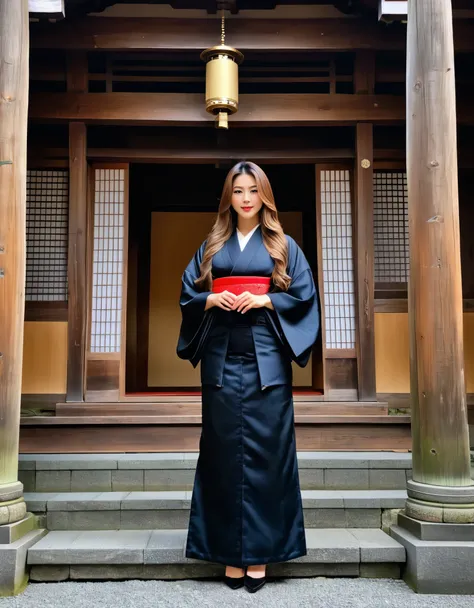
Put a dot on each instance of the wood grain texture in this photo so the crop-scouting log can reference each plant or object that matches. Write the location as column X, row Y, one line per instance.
column 188, row 155
column 364, row 73
column 187, row 109
column 194, row 409
column 391, row 305
column 440, row 427
column 96, row 33
column 364, row 219
column 195, row 419
column 103, row 374
column 44, row 357
column 77, row 261
column 46, row 311
column 77, row 82
column 14, row 51
column 77, row 72
column 182, row 438
column 341, row 374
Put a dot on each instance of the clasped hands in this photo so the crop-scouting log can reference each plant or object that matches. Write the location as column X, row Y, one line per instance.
column 241, row 303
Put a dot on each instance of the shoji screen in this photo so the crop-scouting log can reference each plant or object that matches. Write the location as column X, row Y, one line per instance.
column 337, row 280
column 391, row 252
column 47, row 208
column 107, row 280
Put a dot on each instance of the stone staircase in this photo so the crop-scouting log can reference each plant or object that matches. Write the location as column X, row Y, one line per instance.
column 119, row 516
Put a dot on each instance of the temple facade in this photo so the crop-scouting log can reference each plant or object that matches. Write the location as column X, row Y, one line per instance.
column 110, row 175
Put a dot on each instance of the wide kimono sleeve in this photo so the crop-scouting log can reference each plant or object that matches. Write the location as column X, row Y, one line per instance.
column 296, row 310
column 196, row 321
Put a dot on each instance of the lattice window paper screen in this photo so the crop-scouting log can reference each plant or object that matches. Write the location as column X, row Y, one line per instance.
column 107, row 260
column 338, row 268
column 391, row 252
column 47, row 208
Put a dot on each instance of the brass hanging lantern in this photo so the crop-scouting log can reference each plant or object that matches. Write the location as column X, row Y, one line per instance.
column 222, row 80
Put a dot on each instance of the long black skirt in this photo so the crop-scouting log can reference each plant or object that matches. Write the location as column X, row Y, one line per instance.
column 246, row 505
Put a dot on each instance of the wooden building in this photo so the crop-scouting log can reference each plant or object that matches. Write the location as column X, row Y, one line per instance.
column 124, row 172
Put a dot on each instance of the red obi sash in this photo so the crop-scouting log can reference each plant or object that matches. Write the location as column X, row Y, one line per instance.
column 237, row 285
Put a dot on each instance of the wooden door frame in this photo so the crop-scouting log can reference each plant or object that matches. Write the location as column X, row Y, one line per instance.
column 317, row 162
column 106, row 359
column 331, row 393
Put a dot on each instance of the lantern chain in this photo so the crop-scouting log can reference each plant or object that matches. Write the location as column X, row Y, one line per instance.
column 222, row 27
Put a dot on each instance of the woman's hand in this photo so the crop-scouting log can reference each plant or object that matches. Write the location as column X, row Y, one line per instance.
column 224, row 300
column 247, row 301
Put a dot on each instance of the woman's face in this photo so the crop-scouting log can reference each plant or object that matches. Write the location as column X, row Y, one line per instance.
column 246, row 201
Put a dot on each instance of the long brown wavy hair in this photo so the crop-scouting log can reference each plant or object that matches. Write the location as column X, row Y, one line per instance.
column 226, row 221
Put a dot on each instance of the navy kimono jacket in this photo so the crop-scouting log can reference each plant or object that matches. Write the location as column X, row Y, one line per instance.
column 246, row 505
column 295, row 318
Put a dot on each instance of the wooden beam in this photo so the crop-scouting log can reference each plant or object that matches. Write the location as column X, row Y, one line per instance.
column 139, row 34
column 209, row 155
column 14, row 55
column 439, row 413
column 98, row 33
column 188, row 109
column 49, row 8
column 77, row 261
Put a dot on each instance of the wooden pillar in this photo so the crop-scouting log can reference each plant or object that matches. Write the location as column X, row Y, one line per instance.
column 364, row 84
column 77, row 81
column 439, row 414
column 14, row 51
column 365, row 262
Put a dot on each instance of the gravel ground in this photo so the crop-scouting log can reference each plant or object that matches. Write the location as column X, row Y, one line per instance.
column 289, row 593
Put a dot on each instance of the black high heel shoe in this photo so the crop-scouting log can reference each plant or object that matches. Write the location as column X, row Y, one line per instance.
column 254, row 584
column 233, row 582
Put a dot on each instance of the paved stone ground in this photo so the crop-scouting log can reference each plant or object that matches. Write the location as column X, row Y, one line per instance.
column 289, row 593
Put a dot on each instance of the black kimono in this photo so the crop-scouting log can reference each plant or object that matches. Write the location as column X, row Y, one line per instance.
column 246, row 506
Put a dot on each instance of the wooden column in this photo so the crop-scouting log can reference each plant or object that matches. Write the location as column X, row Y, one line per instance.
column 14, row 51
column 77, row 81
column 439, row 415
column 365, row 262
column 364, row 84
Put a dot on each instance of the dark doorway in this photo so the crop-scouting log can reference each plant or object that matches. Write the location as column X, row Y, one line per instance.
column 172, row 208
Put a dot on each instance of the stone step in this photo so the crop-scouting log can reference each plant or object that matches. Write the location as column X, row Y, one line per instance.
column 159, row 554
column 170, row 510
column 175, row 471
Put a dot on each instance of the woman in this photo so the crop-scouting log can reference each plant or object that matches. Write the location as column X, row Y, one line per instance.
column 246, row 508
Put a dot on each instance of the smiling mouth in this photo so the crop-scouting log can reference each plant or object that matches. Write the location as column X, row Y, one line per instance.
column 247, row 208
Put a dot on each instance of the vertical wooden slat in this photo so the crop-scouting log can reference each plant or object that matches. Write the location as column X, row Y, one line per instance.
column 123, row 341
column 332, row 77
column 439, row 413
column 364, row 73
column 77, row 261
column 364, row 84
column 77, row 81
column 14, row 51
column 365, row 262
column 77, row 72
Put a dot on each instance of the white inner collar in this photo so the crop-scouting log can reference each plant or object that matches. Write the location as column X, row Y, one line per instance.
column 243, row 240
